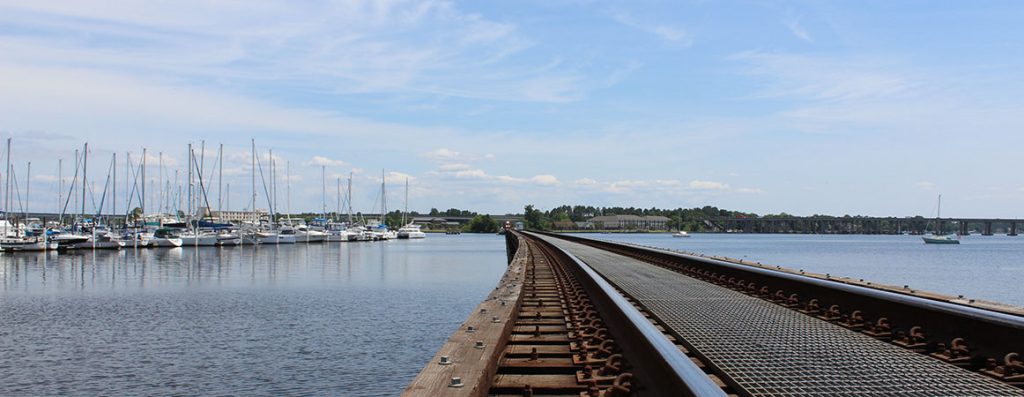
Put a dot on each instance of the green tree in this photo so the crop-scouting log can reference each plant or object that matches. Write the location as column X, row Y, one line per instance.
column 482, row 224
column 535, row 219
column 136, row 214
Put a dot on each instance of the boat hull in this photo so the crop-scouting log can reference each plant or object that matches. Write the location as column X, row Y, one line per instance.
column 201, row 241
column 164, row 242
column 26, row 246
column 939, row 240
column 310, row 237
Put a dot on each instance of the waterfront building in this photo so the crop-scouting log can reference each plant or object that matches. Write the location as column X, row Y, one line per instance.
column 630, row 222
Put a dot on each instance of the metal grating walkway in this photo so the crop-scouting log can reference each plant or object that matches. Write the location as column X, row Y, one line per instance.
column 769, row 350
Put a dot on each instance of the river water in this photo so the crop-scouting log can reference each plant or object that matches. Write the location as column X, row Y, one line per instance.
column 352, row 319
column 981, row 267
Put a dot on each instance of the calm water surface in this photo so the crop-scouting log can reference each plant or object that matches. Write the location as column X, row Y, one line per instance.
column 355, row 319
column 981, row 267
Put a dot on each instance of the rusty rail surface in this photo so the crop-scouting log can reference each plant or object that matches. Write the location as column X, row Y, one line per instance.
column 566, row 333
column 987, row 341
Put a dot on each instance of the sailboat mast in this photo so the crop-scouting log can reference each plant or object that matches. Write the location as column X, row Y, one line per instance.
column 288, row 189
column 220, row 178
column 406, row 213
column 113, row 188
column 252, row 207
column 28, row 184
column 74, row 184
column 142, row 198
column 323, row 190
column 162, row 192
column 188, row 181
column 7, row 184
column 350, row 199
column 60, row 187
column 383, row 199
column 337, row 211
column 273, row 186
column 85, row 163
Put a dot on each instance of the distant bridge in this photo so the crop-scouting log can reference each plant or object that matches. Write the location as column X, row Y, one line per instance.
column 864, row 225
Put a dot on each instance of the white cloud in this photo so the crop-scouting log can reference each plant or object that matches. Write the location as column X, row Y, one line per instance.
column 44, row 178
column 545, row 180
column 442, row 154
column 708, row 185
column 749, row 190
column 793, row 24
column 511, row 179
column 408, row 47
column 399, row 177
column 453, row 167
column 825, row 78
column 668, row 33
column 324, row 161
column 471, row 174
column 924, row 185
column 585, row 182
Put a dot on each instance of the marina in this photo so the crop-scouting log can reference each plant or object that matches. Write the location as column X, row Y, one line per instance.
column 511, row 199
column 184, row 219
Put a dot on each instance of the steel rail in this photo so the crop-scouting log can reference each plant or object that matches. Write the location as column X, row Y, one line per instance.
column 667, row 369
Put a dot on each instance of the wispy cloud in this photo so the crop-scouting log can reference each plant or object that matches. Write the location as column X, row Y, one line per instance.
column 545, row 180
column 708, row 185
column 400, row 47
column 792, row 23
column 444, row 154
column 826, row 78
column 669, row 33
column 324, row 161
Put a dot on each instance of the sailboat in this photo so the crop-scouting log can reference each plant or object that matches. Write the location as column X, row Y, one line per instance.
column 936, row 237
column 410, row 230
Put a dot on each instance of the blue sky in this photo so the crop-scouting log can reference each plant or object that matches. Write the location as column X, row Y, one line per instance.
column 868, row 107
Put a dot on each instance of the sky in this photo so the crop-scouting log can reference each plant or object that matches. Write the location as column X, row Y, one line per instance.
column 804, row 107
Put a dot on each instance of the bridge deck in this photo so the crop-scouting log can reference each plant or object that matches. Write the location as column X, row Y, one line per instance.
column 769, row 350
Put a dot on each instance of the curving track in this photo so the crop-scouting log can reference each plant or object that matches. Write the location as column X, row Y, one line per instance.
column 763, row 348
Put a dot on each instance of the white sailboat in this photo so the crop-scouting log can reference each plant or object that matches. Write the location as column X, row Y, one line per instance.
column 937, row 238
column 410, row 230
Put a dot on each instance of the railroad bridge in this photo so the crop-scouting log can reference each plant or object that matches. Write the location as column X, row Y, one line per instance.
column 579, row 317
column 863, row 225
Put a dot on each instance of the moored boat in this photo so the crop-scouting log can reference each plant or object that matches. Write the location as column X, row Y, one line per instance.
column 165, row 237
column 411, row 231
column 26, row 244
column 937, row 237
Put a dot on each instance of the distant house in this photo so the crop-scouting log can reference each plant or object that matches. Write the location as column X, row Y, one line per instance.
column 630, row 222
column 584, row 225
column 564, row 225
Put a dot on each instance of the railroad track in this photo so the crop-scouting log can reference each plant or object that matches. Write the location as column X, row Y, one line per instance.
column 558, row 326
column 561, row 344
column 972, row 338
column 569, row 334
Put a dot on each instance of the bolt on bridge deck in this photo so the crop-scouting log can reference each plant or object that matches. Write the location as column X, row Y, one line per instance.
column 768, row 350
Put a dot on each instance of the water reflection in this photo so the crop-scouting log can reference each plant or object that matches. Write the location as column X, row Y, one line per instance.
column 330, row 319
column 189, row 267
